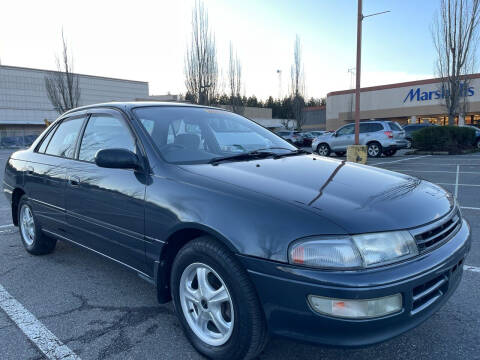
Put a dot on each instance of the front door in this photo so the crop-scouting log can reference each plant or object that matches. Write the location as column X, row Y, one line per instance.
column 105, row 207
column 345, row 136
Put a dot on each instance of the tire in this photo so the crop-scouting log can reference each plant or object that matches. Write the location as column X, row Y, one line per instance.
column 244, row 332
column 478, row 144
column 340, row 153
column 33, row 239
column 409, row 143
column 390, row 152
column 323, row 149
column 374, row 149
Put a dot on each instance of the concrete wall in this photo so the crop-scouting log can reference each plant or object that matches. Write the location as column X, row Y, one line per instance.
column 315, row 118
column 418, row 98
column 23, row 97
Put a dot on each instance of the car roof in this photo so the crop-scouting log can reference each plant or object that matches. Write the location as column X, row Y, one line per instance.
column 133, row 104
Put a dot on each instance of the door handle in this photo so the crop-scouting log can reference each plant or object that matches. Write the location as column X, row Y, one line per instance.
column 74, row 180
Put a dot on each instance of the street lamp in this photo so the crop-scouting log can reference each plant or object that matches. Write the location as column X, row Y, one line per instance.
column 358, row 67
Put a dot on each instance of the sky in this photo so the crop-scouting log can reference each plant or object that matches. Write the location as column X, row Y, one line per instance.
column 147, row 40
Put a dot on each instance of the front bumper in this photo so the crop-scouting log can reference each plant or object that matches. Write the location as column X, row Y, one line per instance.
column 283, row 291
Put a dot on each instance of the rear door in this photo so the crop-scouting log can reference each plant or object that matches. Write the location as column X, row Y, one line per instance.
column 105, row 207
column 45, row 175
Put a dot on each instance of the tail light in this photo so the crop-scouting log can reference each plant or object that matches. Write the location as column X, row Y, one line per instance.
column 389, row 134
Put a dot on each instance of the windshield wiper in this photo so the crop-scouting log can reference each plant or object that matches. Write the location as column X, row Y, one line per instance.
column 255, row 154
column 292, row 153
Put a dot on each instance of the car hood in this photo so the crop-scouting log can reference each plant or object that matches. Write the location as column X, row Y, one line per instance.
column 358, row 198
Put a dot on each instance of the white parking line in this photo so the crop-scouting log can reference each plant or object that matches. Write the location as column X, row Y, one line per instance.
column 469, row 208
column 38, row 334
column 452, row 184
column 456, row 181
column 395, row 161
column 438, row 171
column 471, row 268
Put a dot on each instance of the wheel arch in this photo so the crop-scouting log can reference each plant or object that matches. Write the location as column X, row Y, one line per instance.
column 16, row 196
column 176, row 240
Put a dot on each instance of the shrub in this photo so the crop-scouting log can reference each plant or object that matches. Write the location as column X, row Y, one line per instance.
column 453, row 139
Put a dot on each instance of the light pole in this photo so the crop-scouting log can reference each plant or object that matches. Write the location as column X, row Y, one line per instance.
column 360, row 18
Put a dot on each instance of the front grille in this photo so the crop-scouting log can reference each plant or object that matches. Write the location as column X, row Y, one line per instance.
column 437, row 233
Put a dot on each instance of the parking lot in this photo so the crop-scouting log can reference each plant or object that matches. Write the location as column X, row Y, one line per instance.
column 101, row 310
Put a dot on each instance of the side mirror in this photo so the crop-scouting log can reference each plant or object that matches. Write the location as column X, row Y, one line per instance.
column 335, row 134
column 117, row 159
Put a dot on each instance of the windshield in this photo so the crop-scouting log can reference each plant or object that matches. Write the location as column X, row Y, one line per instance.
column 189, row 135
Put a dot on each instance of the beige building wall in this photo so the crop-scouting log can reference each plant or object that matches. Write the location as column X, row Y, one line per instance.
column 403, row 100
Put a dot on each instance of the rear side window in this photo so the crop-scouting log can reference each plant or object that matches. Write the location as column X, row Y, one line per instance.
column 63, row 141
column 105, row 132
column 46, row 140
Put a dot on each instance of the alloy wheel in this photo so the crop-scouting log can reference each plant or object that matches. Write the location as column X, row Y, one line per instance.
column 27, row 225
column 206, row 304
column 323, row 150
column 373, row 150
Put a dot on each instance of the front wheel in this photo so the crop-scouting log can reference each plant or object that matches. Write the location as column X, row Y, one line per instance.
column 374, row 149
column 216, row 303
column 409, row 144
column 323, row 149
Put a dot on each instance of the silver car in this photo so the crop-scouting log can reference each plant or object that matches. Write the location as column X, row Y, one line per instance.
column 381, row 137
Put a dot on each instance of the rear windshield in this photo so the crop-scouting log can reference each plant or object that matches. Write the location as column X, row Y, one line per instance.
column 394, row 126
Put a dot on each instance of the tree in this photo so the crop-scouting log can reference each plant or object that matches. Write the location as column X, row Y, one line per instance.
column 455, row 35
column 62, row 85
column 298, row 85
column 201, row 70
column 235, row 82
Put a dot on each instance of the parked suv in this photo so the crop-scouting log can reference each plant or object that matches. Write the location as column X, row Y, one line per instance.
column 380, row 137
column 293, row 137
column 411, row 128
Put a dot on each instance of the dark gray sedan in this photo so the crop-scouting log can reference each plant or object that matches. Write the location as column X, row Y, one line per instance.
column 248, row 235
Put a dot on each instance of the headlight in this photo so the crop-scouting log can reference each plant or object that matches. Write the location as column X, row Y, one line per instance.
column 355, row 252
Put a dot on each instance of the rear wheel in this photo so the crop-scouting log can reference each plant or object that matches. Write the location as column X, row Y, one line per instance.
column 374, row 149
column 216, row 303
column 323, row 149
column 34, row 241
column 390, row 152
column 478, row 144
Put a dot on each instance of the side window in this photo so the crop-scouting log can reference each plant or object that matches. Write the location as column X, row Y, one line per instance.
column 105, row 132
column 46, row 140
column 375, row 127
column 364, row 128
column 346, row 130
column 65, row 137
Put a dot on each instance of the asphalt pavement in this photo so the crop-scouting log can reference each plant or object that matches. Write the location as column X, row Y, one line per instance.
column 101, row 310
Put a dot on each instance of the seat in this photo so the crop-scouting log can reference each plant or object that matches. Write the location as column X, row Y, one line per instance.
column 189, row 141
